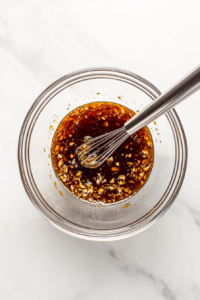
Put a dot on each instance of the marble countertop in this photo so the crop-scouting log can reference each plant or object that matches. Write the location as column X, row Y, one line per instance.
column 40, row 41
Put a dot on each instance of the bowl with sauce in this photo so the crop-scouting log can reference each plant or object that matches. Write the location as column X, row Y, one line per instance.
column 129, row 191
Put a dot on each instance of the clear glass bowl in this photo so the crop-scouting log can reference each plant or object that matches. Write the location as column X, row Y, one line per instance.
column 56, row 203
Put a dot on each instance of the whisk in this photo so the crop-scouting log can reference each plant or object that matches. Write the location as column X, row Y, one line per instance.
column 96, row 150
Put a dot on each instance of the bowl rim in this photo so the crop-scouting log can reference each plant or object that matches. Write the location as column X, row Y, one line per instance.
column 172, row 115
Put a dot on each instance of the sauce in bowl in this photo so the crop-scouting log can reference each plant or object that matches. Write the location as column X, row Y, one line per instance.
column 124, row 173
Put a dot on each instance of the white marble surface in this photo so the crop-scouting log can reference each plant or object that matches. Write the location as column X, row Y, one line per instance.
column 40, row 41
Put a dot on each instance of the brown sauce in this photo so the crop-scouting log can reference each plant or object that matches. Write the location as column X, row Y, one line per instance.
column 122, row 175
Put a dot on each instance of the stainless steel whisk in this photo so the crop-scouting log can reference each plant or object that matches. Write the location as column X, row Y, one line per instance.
column 96, row 150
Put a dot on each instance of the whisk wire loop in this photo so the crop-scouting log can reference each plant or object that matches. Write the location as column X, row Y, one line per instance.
column 96, row 150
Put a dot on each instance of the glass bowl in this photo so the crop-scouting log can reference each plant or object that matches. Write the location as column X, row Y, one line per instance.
column 65, row 211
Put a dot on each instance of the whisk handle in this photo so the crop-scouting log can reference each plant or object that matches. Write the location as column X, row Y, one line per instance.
column 166, row 101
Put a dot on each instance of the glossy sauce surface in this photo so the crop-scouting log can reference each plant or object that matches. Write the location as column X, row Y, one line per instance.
column 122, row 175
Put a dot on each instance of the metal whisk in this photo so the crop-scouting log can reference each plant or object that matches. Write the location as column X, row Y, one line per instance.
column 96, row 150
